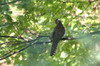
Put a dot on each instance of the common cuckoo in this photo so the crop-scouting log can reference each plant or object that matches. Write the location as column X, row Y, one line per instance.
column 57, row 35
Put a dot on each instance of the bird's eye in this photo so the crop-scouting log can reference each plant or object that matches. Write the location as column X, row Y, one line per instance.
column 57, row 21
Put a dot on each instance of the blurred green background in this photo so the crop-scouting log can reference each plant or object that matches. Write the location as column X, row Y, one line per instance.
column 32, row 18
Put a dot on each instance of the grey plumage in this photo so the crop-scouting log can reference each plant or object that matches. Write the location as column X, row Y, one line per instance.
column 56, row 36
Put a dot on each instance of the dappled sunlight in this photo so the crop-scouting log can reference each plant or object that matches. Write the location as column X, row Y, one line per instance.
column 26, row 28
column 64, row 55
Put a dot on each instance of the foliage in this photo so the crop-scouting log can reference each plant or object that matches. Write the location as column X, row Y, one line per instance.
column 32, row 18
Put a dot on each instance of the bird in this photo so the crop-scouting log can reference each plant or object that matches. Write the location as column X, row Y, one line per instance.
column 57, row 35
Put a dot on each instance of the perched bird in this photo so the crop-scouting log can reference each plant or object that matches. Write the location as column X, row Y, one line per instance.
column 57, row 35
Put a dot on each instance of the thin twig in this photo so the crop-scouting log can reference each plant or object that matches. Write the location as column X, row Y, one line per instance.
column 18, row 37
column 31, row 42
column 9, row 2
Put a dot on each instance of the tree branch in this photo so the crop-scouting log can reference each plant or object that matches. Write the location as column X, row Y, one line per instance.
column 18, row 37
column 67, row 1
column 10, row 53
column 72, row 38
column 9, row 2
column 34, row 41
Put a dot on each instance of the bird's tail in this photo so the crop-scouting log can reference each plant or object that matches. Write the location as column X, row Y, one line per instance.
column 53, row 49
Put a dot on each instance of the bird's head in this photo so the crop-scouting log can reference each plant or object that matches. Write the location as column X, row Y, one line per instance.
column 57, row 21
